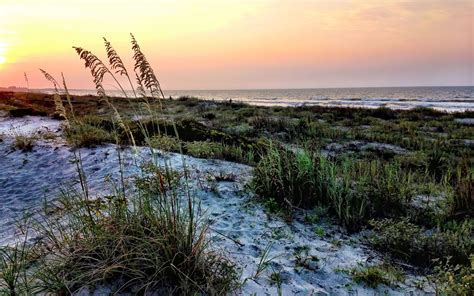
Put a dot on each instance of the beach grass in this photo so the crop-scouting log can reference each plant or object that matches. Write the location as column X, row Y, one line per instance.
column 151, row 240
column 147, row 237
column 403, row 176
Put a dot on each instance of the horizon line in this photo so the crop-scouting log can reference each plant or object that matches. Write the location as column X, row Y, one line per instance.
column 250, row 89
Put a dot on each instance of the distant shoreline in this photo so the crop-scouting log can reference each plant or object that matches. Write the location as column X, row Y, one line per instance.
column 19, row 88
column 449, row 99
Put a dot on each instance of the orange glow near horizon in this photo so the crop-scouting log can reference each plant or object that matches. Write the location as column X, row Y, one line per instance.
column 218, row 44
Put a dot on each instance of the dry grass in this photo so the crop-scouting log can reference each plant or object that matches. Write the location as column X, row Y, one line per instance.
column 24, row 143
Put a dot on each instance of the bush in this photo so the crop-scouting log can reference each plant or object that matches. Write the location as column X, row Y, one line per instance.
column 454, row 280
column 419, row 246
column 80, row 134
column 24, row 143
column 165, row 143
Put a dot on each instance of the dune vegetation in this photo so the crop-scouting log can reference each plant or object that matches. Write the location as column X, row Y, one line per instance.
column 404, row 179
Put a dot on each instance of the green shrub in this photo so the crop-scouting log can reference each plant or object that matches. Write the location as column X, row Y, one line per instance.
column 454, row 280
column 80, row 134
column 419, row 246
column 165, row 143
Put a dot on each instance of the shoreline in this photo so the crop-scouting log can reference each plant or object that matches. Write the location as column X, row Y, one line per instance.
column 463, row 101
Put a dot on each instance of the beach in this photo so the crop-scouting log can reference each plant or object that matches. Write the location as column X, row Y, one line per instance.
column 224, row 151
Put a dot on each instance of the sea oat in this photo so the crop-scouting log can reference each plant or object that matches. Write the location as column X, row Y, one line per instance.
column 146, row 76
column 116, row 63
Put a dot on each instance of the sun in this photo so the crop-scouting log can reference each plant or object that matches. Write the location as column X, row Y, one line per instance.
column 3, row 60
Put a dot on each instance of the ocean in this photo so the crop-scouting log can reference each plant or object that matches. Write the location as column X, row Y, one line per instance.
column 441, row 98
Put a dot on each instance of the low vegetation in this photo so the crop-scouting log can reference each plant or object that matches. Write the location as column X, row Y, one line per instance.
column 83, row 134
column 13, row 266
column 149, row 241
column 376, row 275
column 24, row 143
column 421, row 246
column 137, row 239
column 355, row 191
column 406, row 176
column 454, row 279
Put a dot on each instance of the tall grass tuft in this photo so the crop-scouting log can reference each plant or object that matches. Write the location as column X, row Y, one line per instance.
column 287, row 178
column 153, row 240
column 354, row 190
column 13, row 269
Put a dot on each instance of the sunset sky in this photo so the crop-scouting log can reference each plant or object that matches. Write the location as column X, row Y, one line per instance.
column 233, row 44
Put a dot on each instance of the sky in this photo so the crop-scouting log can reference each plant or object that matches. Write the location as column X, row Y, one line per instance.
column 245, row 44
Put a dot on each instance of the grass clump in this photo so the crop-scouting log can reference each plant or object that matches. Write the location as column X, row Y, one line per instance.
column 286, row 178
column 151, row 241
column 82, row 134
column 24, row 143
column 376, row 275
column 462, row 202
column 13, row 266
column 354, row 191
column 204, row 149
column 217, row 150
